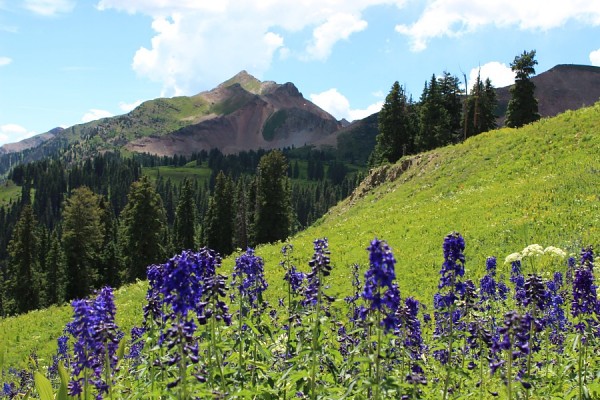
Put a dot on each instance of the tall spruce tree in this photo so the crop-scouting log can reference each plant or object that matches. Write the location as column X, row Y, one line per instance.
column 142, row 230
column 481, row 106
column 396, row 132
column 184, row 227
column 523, row 106
column 273, row 219
column 55, row 272
column 241, row 210
column 82, row 241
column 218, row 225
column 22, row 281
column 435, row 121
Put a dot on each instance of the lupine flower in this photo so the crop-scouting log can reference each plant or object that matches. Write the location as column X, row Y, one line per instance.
column 96, row 337
column 249, row 275
column 380, row 291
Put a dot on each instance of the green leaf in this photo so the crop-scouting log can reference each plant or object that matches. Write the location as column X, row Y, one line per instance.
column 63, row 390
column 43, row 386
column 121, row 350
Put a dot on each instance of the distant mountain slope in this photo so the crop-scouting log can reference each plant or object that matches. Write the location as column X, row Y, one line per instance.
column 242, row 113
column 29, row 143
column 563, row 87
column 248, row 114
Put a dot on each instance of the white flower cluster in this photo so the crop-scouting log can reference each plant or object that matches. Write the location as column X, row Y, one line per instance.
column 511, row 258
column 535, row 250
column 555, row 251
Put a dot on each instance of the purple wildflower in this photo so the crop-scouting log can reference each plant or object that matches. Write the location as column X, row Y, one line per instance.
column 96, row 338
column 380, row 291
column 249, row 275
column 584, row 291
column 320, row 267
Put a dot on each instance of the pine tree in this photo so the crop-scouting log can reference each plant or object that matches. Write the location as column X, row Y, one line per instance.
column 22, row 283
column 241, row 211
column 396, row 133
column 142, row 229
column 218, row 233
column 273, row 220
column 82, row 241
column 55, row 272
column 481, row 106
column 434, row 121
column 184, row 228
column 523, row 106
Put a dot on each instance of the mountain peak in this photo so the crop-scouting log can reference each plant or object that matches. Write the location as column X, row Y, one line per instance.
column 245, row 80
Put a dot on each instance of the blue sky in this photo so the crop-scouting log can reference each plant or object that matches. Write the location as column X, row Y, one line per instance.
column 64, row 62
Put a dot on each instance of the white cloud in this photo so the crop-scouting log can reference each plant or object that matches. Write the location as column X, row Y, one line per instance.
column 129, row 106
column 49, row 7
column 198, row 44
column 500, row 74
column 456, row 17
column 338, row 105
column 595, row 57
column 337, row 27
column 94, row 114
column 10, row 133
column 5, row 61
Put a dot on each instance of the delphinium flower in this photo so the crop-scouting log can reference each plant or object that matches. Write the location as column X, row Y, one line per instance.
column 490, row 289
column 136, row 344
column 555, row 314
column 248, row 275
column 96, row 341
column 320, row 267
column 570, row 269
column 584, row 304
column 9, row 390
column 447, row 316
column 380, row 292
column 62, row 355
column 408, row 329
column 584, row 300
column 512, row 342
column 295, row 280
column 517, row 278
column 381, row 296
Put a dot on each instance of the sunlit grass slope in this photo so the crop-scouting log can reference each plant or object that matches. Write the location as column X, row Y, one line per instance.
column 502, row 190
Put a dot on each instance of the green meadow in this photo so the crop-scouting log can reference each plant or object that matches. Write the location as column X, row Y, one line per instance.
column 502, row 190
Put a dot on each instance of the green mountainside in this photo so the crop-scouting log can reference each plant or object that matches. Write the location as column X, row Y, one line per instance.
column 502, row 190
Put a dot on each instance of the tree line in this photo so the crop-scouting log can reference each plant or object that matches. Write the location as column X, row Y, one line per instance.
column 445, row 114
column 101, row 221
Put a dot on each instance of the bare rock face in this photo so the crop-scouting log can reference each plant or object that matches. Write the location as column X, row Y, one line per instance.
column 248, row 115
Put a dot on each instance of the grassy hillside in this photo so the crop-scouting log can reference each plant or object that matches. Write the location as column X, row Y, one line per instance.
column 502, row 190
